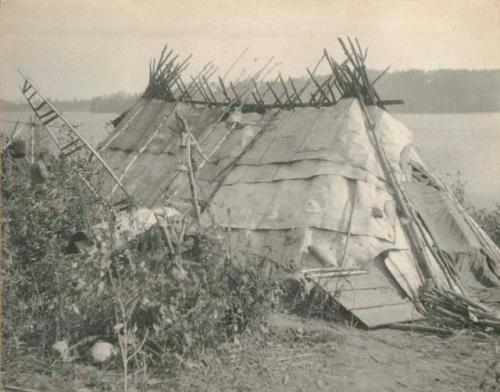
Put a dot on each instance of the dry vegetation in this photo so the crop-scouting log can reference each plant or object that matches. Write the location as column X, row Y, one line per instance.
column 183, row 316
column 161, row 302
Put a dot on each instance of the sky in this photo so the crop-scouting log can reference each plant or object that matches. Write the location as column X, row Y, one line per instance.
column 86, row 48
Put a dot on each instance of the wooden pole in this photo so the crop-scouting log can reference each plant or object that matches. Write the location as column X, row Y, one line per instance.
column 326, row 83
column 234, row 91
column 257, row 102
column 380, row 75
column 211, row 73
column 313, row 72
column 412, row 234
column 277, row 100
column 234, row 64
column 206, row 68
column 268, row 88
column 285, row 90
column 185, row 90
column 209, row 89
column 32, row 134
column 224, row 91
column 200, row 90
column 325, row 97
column 297, row 95
column 261, row 101
column 340, row 83
column 192, row 185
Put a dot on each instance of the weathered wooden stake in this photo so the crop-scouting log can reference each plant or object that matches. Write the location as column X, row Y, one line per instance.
column 186, row 132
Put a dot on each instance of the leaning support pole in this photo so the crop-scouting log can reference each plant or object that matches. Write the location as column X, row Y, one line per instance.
column 415, row 233
column 425, row 270
column 192, row 184
column 186, row 136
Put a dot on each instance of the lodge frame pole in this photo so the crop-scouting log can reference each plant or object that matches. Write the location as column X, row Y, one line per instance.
column 325, row 97
column 224, row 91
column 233, row 89
column 294, row 90
column 277, row 100
column 209, row 89
column 200, row 90
column 205, row 69
column 285, row 90
column 256, row 87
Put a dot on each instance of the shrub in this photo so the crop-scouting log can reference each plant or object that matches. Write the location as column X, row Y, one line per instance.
column 37, row 223
column 175, row 310
column 160, row 306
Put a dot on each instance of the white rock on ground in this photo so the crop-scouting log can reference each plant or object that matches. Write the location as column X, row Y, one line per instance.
column 101, row 352
column 62, row 348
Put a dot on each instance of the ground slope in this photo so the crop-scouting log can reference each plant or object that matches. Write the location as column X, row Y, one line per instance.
column 292, row 355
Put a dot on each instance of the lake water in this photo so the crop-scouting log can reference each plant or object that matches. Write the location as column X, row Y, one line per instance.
column 465, row 143
column 468, row 143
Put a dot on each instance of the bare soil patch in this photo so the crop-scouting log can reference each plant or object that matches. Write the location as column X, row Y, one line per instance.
column 291, row 354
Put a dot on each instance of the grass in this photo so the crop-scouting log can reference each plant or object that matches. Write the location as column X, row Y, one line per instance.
column 163, row 299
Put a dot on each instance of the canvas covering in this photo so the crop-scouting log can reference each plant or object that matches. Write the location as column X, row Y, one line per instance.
column 286, row 181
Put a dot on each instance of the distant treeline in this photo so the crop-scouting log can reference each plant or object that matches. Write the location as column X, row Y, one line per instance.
column 423, row 92
column 76, row 105
column 114, row 103
column 441, row 91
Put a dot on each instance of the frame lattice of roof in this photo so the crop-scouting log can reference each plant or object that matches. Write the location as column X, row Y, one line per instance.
column 347, row 79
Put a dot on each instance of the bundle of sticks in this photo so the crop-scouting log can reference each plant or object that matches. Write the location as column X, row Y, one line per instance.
column 454, row 310
column 165, row 75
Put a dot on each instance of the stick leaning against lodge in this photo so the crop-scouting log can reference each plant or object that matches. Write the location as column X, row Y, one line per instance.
column 186, row 133
column 415, row 234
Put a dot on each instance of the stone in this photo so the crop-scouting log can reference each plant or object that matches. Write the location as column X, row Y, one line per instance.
column 62, row 348
column 101, row 352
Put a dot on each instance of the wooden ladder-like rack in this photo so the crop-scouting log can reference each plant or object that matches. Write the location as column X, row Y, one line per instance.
column 72, row 145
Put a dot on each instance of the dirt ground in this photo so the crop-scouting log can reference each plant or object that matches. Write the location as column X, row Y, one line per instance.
column 290, row 354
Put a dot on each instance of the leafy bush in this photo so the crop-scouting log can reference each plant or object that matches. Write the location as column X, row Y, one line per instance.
column 176, row 309
column 37, row 224
column 161, row 306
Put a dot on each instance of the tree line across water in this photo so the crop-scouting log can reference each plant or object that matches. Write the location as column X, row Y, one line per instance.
column 443, row 91
column 114, row 103
column 440, row 91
